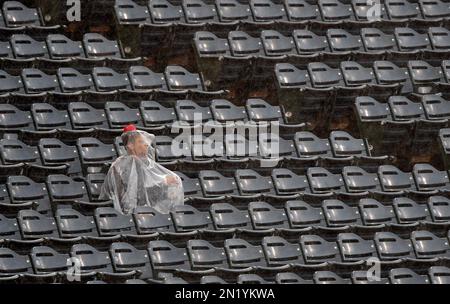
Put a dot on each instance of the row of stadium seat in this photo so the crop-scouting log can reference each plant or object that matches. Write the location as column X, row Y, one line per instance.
column 114, row 115
column 433, row 275
column 161, row 256
column 71, row 83
column 229, row 11
column 257, row 218
column 304, row 42
column 352, row 182
column 418, row 75
column 58, row 46
column 418, row 124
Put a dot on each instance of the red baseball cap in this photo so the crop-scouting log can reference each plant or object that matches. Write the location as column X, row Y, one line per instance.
column 129, row 128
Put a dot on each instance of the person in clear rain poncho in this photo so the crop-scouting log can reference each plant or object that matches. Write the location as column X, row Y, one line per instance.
column 136, row 179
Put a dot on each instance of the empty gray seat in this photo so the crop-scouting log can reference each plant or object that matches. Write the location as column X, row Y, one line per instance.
column 427, row 245
column 224, row 111
column 198, row 11
column 434, row 9
column 59, row 46
column 335, row 10
column 406, row 276
column 337, row 214
column 154, row 113
column 355, row 74
column 289, row 76
column 439, row 207
column 409, row 40
column 72, row 80
column 47, row 117
column 91, row 259
column 303, row 215
column 120, row 115
column 208, row 44
column 323, row 181
column 84, row 116
column 342, row 41
column 16, row 14
column 165, row 256
column 23, row 47
column 316, row 250
column 375, row 213
column 357, row 179
column 226, row 216
column 408, row 211
column 301, row 10
column 205, row 256
column 391, row 247
column 308, row 42
column 393, row 179
column 264, row 216
column 241, row 254
column 266, row 10
column 343, row 144
column 142, row 78
column 242, row 44
column 128, row 12
column 162, row 11
column 97, row 46
column 187, row 218
column 323, row 76
column 36, row 81
column 232, row 10
column 106, row 79
column 309, row 145
column 280, row 252
column 401, row 9
column 34, row 225
column 13, row 151
column 374, row 40
column 250, row 182
column 428, row 178
column 276, row 44
column 178, row 78
column 215, row 184
column 435, row 107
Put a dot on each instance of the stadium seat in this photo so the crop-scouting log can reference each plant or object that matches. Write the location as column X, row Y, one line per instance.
column 264, row 216
column 16, row 14
column 203, row 255
column 91, row 259
column 408, row 211
column 226, row 216
column 301, row 10
column 164, row 256
column 316, row 250
column 374, row 213
column 72, row 223
column 302, row 215
column 391, row 247
column 337, row 214
column 323, row 181
column 266, row 10
column 110, row 222
column 406, row 276
column 242, row 254
column 126, row 258
column 187, row 218
column 46, row 260
column 34, row 225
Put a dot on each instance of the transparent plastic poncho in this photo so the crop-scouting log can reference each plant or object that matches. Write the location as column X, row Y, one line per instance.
column 138, row 180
